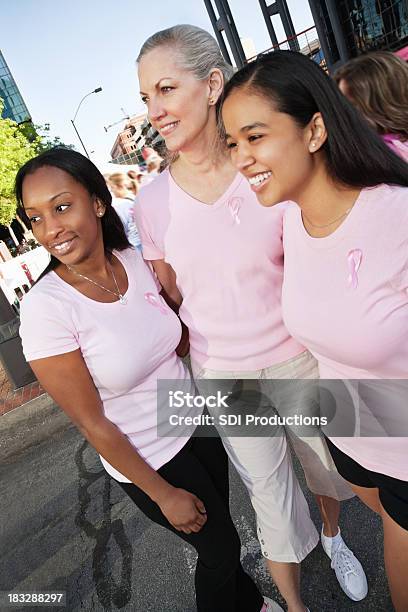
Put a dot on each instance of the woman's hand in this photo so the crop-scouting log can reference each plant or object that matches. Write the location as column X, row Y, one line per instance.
column 67, row 379
column 184, row 511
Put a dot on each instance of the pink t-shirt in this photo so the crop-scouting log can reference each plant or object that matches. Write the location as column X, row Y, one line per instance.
column 126, row 348
column 345, row 297
column 228, row 260
column 398, row 146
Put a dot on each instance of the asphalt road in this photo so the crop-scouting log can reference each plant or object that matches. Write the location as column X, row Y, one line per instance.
column 66, row 526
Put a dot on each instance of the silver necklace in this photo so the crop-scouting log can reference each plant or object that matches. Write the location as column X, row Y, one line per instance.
column 327, row 224
column 122, row 298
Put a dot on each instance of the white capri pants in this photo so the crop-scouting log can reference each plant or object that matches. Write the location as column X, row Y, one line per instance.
column 285, row 530
column 320, row 471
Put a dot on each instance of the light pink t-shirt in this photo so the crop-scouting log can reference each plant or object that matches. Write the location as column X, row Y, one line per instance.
column 398, row 146
column 345, row 297
column 228, row 260
column 126, row 348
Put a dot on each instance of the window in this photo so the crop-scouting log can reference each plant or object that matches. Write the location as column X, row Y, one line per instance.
column 373, row 24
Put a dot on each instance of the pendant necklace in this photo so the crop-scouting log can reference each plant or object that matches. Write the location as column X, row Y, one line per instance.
column 327, row 224
column 122, row 298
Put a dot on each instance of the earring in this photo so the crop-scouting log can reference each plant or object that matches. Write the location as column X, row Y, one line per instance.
column 211, row 101
column 100, row 214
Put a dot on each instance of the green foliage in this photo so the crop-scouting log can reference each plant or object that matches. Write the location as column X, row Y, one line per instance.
column 15, row 150
column 18, row 144
column 29, row 130
column 39, row 134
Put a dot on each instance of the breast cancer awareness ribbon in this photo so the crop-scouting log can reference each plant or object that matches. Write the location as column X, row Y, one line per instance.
column 234, row 205
column 354, row 260
column 153, row 300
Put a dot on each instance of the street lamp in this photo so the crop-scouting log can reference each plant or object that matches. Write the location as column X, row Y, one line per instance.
column 97, row 90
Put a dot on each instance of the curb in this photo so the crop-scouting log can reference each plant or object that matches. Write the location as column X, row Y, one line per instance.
column 29, row 425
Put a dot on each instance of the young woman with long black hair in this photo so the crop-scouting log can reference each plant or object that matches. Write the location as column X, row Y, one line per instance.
column 345, row 292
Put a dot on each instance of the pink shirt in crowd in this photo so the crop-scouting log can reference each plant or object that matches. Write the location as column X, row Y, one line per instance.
column 399, row 147
column 345, row 297
column 228, row 261
column 126, row 348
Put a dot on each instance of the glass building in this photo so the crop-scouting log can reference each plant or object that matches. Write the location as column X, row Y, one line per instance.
column 373, row 25
column 14, row 105
column 348, row 28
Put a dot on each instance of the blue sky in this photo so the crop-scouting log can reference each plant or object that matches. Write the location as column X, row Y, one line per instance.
column 59, row 50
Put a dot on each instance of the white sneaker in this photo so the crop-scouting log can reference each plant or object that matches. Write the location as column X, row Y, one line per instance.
column 348, row 569
column 272, row 606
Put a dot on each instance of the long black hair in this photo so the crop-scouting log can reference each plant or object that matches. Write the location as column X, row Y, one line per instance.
column 87, row 174
column 296, row 85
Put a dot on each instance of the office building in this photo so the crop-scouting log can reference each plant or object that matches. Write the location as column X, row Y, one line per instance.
column 14, row 105
column 347, row 28
column 125, row 148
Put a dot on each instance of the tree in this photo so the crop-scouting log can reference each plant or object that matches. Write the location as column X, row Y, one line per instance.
column 18, row 144
column 15, row 150
column 38, row 134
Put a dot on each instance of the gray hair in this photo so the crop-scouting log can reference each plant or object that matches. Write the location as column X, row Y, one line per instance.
column 199, row 51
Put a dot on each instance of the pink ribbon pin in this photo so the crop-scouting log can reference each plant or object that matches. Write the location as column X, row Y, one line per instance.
column 354, row 260
column 154, row 301
column 234, row 204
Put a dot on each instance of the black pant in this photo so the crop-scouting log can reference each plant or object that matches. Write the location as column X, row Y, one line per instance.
column 201, row 467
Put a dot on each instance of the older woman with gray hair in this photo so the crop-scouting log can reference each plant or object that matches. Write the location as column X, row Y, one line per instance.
column 219, row 258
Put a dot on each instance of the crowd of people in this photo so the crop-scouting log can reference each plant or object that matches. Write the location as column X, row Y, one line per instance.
column 276, row 235
column 124, row 184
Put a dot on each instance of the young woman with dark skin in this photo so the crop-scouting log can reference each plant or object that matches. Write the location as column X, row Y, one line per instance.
column 98, row 336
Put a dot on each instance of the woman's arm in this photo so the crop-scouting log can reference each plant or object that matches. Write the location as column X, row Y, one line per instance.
column 167, row 279
column 173, row 297
column 67, row 379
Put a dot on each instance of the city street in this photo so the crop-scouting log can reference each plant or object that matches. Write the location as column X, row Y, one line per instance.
column 67, row 526
column 236, row 165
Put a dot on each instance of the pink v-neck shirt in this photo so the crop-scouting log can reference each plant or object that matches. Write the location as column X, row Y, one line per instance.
column 126, row 348
column 228, row 260
column 345, row 297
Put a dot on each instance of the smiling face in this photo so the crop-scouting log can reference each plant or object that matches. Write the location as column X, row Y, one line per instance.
column 63, row 215
column 177, row 102
column 267, row 147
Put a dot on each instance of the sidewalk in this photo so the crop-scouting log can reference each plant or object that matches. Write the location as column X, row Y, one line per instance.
column 67, row 525
column 55, row 533
column 13, row 398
